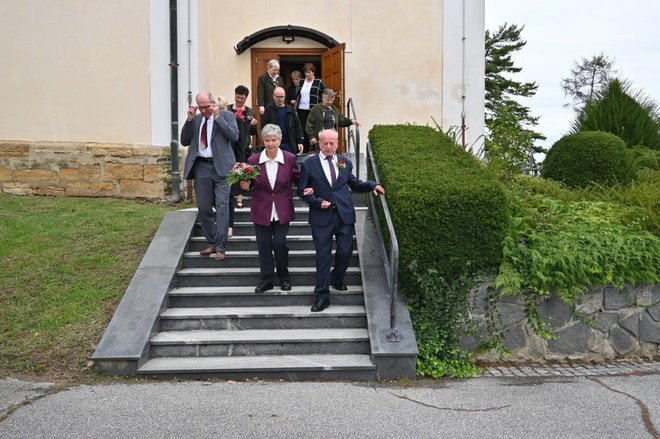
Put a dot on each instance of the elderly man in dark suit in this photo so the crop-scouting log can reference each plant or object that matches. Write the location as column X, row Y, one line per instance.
column 272, row 206
column 209, row 160
column 331, row 212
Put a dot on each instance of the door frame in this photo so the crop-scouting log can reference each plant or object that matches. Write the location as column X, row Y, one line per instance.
column 259, row 62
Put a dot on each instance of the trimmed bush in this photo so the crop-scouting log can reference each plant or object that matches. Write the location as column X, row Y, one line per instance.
column 589, row 156
column 448, row 213
column 619, row 110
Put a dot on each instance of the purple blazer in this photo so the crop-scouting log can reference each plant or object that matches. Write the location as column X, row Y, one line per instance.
column 263, row 195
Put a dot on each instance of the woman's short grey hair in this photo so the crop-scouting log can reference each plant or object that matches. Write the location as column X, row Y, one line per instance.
column 271, row 130
column 273, row 64
column 329, row 93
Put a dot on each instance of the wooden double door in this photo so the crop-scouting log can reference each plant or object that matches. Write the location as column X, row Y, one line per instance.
column 329, row 65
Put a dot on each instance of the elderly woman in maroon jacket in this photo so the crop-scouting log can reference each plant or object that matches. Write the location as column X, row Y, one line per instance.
column 272, row 206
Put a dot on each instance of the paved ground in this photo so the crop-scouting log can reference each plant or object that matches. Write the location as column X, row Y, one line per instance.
column 621, row 404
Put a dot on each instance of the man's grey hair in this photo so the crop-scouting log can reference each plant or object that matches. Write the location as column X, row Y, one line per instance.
column 273, row 64
column 271, row 130
column 329, row 93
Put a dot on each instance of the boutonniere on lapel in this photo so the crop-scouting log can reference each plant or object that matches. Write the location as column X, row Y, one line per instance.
column 341, row 164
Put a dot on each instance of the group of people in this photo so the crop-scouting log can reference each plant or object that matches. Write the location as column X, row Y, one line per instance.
column 302, row 111
column 219, row 136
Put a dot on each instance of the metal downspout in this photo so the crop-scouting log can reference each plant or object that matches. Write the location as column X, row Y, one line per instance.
column 463, row 87
column 174, row 105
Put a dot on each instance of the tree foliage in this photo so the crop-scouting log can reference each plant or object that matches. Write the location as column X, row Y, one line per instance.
column 509, row 124
column 587, row 77
column 626, row 113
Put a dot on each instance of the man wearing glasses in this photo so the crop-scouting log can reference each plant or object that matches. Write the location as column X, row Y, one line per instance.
column 283, row 115
column 208, row 136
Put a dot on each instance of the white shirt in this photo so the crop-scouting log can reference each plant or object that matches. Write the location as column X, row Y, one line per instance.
column 271, row 171
column 326, row 167
column 206, row 152
column 303, row 104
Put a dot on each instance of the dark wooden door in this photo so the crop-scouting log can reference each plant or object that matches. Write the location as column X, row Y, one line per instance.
column 332, row 70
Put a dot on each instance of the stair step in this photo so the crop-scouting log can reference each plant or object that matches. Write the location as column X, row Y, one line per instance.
column 289, row 367
column 261, row 336
column 262, row 317
column 246, row 276
column 250, row 258
column 240, row 243
column 249, row 342
column 245, row 296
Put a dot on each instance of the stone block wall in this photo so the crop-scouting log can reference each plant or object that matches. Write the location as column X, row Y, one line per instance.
column 610, row 324
column 84, row 169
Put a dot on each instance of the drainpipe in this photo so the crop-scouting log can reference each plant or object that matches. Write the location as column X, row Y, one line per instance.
column 174, row 105
column 463, row 87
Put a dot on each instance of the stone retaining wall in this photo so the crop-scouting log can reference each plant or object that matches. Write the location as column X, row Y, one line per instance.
column 615, row 325
column 84, row 169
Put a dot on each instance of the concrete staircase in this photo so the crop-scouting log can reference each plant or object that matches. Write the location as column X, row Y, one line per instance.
column 215, row 324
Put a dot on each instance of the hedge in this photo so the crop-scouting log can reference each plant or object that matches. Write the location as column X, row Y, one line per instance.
column 448, row 213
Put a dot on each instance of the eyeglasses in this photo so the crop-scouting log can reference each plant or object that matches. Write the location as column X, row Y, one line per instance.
column 278, row 97
column 205, row 107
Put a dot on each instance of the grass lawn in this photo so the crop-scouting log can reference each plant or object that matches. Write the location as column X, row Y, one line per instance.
column 66, row 263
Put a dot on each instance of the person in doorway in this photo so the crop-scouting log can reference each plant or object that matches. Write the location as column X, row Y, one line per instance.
column 272, row 207
column 325, row 116
column 331, row 212
column 283, row 115
column 267, row 83
column 247, row 126
column 292, row 91
column 208, row 136
column 309, row 94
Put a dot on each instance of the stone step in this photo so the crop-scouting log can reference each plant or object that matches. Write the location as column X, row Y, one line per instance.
column 246, row 276
column 192, row 297
column 205, row 343
column 246, row 228
column 301, row 210
column 263, row 317
column 288, row 367
column 240, row 243
column 250, row 258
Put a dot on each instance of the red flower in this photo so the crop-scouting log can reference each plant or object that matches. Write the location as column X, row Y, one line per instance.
column 248, row 170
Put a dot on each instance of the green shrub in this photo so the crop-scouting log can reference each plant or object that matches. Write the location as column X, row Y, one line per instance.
column 448, row 213
column 589, row 156
column 619, row 110
column 450, row 216
column 644, row 157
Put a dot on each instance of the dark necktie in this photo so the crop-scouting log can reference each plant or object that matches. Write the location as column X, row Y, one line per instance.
column 333, row 174
column 203, row 136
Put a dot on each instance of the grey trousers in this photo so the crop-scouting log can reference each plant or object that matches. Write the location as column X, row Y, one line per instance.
column 211, row 191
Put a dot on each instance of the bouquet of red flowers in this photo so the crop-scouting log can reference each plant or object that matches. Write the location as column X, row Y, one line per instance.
column 243, row 172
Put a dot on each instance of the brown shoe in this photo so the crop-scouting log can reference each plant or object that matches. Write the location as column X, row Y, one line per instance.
column 219, row 256
column 208, row 250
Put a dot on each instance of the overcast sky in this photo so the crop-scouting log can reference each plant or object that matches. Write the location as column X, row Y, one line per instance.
column 560, row 32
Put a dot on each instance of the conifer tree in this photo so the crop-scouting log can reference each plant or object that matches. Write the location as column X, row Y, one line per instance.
column 509, row 124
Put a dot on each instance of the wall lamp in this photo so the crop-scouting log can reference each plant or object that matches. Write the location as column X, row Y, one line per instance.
column 288, row 39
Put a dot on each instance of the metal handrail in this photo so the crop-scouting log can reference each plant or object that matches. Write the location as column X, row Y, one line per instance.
column 353, row 136
column 391, row 261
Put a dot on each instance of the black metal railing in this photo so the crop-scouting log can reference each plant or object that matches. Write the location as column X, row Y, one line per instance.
column 353, row 137
column 391, row 257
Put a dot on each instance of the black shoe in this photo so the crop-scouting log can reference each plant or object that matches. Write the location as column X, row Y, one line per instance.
column 320, row 304
column 340, row 287
column 263, row 286
column 285, row 285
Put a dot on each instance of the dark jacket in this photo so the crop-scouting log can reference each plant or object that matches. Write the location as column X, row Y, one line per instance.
column 293, row 124
column 245, row 130
column 314, row 93
column 265, row 88
column 312, row 175
column 315, row 121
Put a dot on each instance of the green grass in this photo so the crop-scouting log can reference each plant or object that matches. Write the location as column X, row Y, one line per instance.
column 66, row 263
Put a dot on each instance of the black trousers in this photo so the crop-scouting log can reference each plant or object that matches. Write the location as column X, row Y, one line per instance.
column 272, row 240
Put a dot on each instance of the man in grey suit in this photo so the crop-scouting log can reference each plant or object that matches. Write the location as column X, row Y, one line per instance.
column 209, row 160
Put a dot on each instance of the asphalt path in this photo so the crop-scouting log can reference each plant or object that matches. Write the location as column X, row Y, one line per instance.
column 521, row 407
